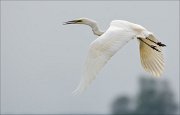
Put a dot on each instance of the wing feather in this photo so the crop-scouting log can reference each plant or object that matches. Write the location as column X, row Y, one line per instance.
column 100, row 51
column 151, row 60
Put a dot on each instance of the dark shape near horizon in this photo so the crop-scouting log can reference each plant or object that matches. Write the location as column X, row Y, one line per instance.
column 154, row 98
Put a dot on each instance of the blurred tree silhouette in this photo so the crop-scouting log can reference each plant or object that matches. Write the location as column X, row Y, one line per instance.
column 154, row 98
column 122, row 105
column 167, row 104
column 147, row 98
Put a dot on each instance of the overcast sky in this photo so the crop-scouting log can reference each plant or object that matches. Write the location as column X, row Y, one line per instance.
column 42, row 60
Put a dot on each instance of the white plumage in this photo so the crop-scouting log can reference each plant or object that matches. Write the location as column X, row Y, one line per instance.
column 108, row 43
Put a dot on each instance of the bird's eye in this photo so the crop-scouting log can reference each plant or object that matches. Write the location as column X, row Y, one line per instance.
column 79, row 21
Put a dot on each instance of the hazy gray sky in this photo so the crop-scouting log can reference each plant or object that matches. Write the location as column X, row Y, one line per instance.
column 42, row 60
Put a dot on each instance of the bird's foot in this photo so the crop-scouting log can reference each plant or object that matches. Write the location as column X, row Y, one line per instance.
column 154, row 47
column 160, row 44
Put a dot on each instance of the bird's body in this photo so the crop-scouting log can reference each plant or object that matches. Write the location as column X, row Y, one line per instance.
column 109, row 42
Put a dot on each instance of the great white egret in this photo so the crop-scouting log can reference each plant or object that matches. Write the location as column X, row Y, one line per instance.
column 109, row 42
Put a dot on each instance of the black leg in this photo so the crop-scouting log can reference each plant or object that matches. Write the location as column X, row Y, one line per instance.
column 158, row 43
column 152, row 46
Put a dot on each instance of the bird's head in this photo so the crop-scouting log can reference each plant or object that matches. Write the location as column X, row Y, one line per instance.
column 85, row 21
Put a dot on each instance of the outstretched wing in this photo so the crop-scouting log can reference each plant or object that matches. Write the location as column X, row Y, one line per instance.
column 151, row 60
column 100, row 51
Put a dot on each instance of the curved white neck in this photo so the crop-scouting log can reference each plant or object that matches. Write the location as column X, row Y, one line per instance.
column 95, row 28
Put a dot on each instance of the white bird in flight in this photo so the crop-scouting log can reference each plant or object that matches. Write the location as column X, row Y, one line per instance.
column 109, row 42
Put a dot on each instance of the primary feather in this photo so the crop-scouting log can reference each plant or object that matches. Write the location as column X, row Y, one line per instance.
column 151, row 60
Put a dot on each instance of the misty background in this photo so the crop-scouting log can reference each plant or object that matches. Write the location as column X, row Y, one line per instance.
column 42, row 60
